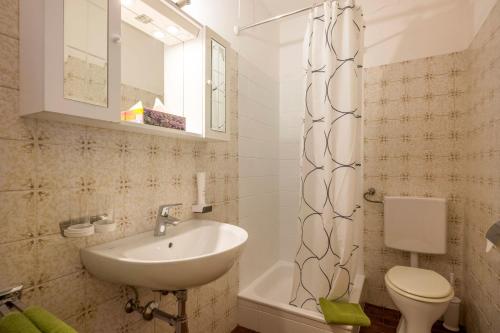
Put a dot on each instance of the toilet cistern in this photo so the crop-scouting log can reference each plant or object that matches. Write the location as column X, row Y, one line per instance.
column 416, row 225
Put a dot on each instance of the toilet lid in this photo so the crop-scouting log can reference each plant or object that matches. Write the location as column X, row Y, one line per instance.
column 419, row 282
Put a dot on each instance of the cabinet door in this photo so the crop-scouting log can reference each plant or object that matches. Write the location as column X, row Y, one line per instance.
column 80, row 75
column 217, row 85
column 86, row 51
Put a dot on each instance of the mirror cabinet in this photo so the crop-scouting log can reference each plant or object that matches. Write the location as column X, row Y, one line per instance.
column 139, row 65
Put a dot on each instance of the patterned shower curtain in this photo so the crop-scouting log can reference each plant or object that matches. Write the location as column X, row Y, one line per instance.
column 330, row 215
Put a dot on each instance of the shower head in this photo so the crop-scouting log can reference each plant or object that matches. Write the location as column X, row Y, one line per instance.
column 182, row 3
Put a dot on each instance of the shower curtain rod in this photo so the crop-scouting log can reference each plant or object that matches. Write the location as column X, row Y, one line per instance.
column 238, row 29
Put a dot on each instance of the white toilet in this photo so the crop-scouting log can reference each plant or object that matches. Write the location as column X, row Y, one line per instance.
column 416, row 225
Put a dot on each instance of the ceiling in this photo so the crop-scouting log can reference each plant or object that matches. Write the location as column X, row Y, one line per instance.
column 277, row 7
column 399, row 30
column 473, row 11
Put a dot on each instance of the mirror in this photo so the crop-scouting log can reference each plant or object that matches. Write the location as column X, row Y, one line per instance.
column 218, row 74
column 86, row 51
column 142, row 72
column 160, row 61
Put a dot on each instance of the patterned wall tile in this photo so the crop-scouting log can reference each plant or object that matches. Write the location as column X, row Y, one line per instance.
column 18, row 165
column 8, row 17
column 482, row 177
column 18, row 216
column 12, row 126
column 52, row 172
column 432, row 129
column 19, row 263
column 9, row 66
column 411, row 145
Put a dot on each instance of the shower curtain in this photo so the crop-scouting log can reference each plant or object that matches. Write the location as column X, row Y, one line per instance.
column 330, row 213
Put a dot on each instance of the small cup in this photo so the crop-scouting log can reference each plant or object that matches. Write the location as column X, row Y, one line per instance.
column 104, row 226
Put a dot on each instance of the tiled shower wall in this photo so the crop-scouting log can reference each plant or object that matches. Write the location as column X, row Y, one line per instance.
column 481, row 178
column 292, row 96
column 432, row 128
column 258, row 147
column 52, row 171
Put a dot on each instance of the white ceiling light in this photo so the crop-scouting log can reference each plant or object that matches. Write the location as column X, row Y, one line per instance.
column 158, row 34
column 128, row 3
column 173, row 30
column 182, row 3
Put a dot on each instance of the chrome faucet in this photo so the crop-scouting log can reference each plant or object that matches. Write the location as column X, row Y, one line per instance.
column 163, row 219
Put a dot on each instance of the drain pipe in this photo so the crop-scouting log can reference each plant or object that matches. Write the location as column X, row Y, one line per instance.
column 152, row 310
column 179, row 321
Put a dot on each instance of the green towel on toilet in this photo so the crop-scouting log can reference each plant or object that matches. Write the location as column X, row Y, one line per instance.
column 46, row 322
column 16, row 322
column 339, row 313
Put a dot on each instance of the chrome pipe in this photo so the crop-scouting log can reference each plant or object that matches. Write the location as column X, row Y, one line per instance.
column 152, row 310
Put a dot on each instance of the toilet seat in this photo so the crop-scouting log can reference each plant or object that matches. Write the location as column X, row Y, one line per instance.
column 419, row 284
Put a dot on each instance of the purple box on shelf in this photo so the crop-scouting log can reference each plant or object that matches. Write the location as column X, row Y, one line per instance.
column 162, row 119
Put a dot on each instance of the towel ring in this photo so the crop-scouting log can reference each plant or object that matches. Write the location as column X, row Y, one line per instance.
column 371, row 191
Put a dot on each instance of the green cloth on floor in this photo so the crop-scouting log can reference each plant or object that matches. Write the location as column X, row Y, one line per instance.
column 16, row 322
column 47, row 322
column 339, row 313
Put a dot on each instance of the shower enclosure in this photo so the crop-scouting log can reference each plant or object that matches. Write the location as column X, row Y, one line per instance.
column 328, row 215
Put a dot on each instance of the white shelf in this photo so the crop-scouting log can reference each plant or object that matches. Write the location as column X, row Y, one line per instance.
column 157, row 130
column 122, row 126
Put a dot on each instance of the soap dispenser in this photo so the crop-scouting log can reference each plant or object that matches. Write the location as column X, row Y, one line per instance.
column 201, row 206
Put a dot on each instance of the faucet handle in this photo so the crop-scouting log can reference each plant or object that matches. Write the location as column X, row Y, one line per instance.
column 165, row 209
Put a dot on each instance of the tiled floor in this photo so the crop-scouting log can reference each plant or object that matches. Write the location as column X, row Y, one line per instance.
column 386, row 321
column 383, row 321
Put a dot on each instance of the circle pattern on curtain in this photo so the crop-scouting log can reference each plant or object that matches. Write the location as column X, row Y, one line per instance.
column 329, row 214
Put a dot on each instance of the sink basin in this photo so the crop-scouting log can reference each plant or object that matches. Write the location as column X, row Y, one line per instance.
column 192, row 253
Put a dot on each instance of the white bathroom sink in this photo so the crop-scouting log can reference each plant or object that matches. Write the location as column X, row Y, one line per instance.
column 192, row 253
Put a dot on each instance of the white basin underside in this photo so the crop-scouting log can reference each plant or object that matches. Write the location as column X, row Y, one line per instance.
column 191, row 254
